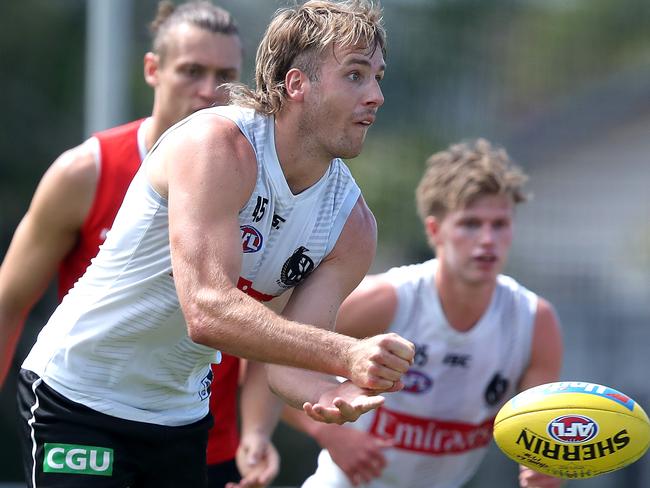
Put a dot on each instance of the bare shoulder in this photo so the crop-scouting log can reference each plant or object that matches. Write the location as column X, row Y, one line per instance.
column 377, row 289
column 68, row 186
column 547, row 336
column 210, row 133
column 50, row 228
column 546, row 316
column 207, row 146
column 370, row 308
column 77, row 167
column 547, row 350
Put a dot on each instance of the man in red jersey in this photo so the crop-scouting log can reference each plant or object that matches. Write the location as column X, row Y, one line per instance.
column 196, row 48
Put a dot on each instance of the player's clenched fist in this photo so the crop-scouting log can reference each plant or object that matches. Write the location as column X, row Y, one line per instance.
column 378, row 362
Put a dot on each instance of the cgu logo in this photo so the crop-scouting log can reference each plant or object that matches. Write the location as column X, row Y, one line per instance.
column 76, row 459
column 572, row 429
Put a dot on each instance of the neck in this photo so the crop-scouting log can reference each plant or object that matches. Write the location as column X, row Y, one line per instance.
column 302, row 162
column 463, row 303
column 154, row 129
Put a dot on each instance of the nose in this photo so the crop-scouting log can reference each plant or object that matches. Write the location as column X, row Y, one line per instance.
column 375, row 96
column 208, row 90
column 487, row 235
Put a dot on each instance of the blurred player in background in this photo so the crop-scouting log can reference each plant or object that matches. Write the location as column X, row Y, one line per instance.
column 232, row 207
column 196, row 48
column 480, row 337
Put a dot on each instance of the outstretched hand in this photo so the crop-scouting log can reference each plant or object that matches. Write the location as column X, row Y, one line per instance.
column 378, row 362
column 342, row 403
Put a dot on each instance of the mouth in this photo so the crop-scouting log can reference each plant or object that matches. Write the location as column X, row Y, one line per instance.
column 486, row 258
column 366, row 120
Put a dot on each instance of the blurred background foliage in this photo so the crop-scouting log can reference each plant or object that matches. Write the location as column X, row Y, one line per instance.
column 563, row 84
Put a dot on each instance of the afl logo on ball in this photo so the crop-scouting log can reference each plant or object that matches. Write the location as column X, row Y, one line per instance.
column 251, row 239
column 572, row 429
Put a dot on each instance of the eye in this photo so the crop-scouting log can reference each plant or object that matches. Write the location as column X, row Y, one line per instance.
column 354, row 76
column 226, row 76
column 501, row 224
column 193, row 71
column 470, row 223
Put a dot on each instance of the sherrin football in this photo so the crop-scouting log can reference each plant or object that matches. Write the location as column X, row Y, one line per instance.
column 572, row 429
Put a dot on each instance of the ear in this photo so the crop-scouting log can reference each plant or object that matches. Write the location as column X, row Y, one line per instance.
column 432, row 229
column 296, row 84
column 151, row 66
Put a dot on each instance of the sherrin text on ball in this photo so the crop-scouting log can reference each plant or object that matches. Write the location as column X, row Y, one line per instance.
column 572, row 429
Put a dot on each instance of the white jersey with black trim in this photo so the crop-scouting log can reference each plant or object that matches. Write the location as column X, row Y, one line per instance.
column 441, row 422
column 118, row 342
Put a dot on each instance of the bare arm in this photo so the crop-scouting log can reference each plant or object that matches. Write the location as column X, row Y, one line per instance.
column 368, row 311
column 257, row 459
column 317, row 300
column 260, row 408
column 209, row 158
column 546, row 353
column 47, row 232
column 544, row 367
column 370, row 308
column 356, row 316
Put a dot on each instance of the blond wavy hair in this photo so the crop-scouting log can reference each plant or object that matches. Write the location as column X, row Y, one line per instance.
column 297, row 37
column 456, row 177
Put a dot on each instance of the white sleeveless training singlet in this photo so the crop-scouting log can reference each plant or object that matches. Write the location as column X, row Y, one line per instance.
column 118, row 342
column 441, row 422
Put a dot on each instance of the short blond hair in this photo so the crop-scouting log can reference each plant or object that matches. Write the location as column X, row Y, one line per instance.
column 298, row 36
column 456, row 177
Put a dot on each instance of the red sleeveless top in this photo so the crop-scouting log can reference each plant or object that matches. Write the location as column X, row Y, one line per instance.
column 119, row 161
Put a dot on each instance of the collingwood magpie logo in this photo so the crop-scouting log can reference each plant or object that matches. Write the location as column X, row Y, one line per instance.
column 296, row 268
column 421, row 356
column 204, row 392
column 496, row 389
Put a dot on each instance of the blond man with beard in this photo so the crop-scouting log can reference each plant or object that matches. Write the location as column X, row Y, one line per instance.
column 232, row 207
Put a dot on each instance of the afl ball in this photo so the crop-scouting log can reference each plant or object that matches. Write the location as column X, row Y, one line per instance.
column 572, row 429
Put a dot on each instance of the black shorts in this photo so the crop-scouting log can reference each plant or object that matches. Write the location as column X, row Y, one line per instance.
column 66, row 444
column 221, row 473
